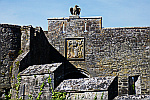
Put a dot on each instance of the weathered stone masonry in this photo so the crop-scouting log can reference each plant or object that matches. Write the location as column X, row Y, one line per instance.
column 36, row 54
column 10, row 44
column 87, row 88
column 75, row 27
column 84, row 48
column 108, row 51
column 129, row 50
column 34, row 76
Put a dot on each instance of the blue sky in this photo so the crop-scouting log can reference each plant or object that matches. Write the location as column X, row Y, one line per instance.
column 115, row 13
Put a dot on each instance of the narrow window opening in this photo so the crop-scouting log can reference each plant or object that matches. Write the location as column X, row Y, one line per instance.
column 132, row 86
column 63, row 27
column 85, row 27
column 23, row 92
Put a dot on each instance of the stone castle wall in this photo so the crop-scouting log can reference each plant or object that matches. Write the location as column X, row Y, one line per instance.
column 25, row 38
column 30, row 85
column 89, row 88
column 10, row 44
column 128, row 55
column 108, row 51
column 59, row 29
column 79, row 43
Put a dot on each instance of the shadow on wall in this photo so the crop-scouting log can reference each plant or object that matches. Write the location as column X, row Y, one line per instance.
column 42, row 52
column 66, row 71
column 113, row 89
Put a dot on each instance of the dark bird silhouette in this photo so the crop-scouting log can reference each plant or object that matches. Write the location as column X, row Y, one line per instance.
column 75, row 10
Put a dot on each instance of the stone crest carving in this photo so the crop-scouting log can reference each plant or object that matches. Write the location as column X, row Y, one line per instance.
column 75, row 10
column 74, row 48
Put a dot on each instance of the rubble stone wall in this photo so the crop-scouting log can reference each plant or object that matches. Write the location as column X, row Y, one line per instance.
column 108, row 52
column 10, row 44
column 103, row 95
column 40, row 52
column 59, row 29
column 133, row 97
column 32, row 85
column 90, row 88
column 25, row 38
column 127, row 55
column 121, row 52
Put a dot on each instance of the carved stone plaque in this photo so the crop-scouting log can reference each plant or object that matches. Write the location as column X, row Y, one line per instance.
column 75, row 48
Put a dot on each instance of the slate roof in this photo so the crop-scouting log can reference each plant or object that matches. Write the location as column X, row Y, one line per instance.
column 86, row 84
column 40, row 69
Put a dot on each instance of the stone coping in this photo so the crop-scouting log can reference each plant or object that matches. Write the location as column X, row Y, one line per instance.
column 9, row 25
column 73, row 17
column 127, row 27
column 40, row 69
column 86, row 84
